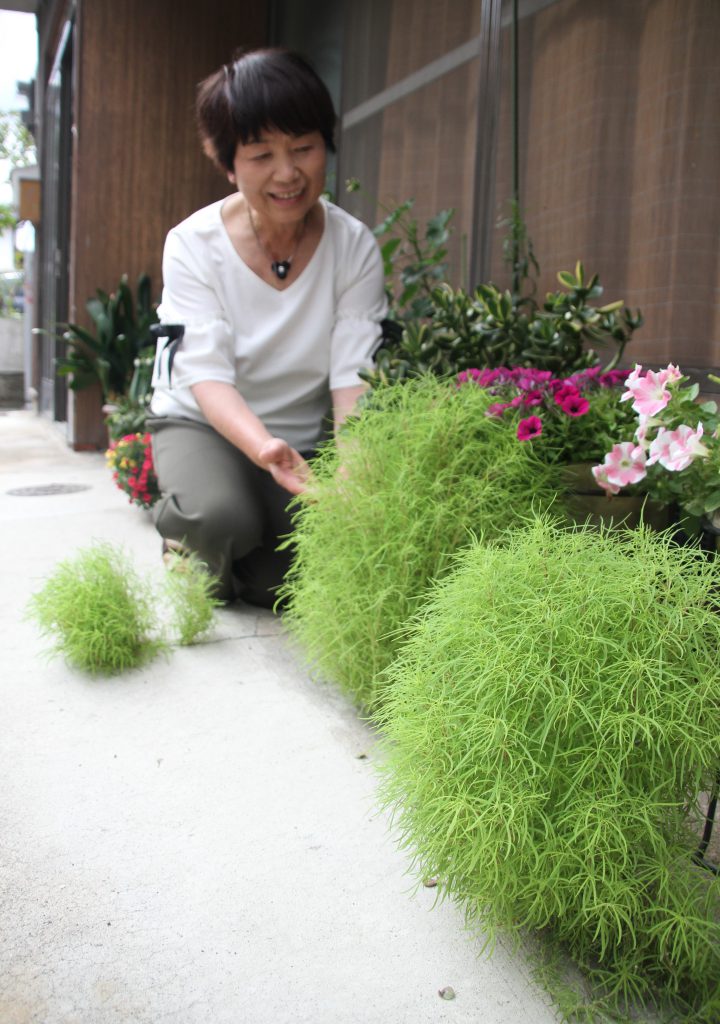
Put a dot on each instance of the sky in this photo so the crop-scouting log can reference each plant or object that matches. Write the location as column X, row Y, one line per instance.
column 18, row 63
column 18, row 56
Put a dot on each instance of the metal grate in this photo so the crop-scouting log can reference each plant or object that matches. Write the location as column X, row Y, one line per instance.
column 42, row 489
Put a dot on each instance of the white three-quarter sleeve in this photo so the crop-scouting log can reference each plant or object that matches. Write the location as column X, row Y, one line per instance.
column 207, row 349
column 361, row 305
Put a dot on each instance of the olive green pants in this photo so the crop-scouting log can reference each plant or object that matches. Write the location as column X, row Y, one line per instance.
column 219, row 504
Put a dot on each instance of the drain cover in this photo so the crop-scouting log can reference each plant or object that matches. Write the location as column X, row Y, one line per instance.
column 31, row 492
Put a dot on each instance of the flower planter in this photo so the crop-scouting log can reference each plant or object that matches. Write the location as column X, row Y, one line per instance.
column 586, row 501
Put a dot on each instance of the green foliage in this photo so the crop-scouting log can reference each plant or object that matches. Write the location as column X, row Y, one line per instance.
column 104, row 619
column 98, row 611
column 444, row 331
column 188, row 589
column 8, row 220
column 116, row 354
column 518, row 253
column 127, row 417
column 493, row 328
column 17, row 145
column 549, row 726
column 414, row 260
column 423, row 467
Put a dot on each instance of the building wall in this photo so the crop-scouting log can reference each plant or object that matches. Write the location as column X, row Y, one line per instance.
column 137, row 164
column 620, row 161
column 619, row 146
column 422, row 145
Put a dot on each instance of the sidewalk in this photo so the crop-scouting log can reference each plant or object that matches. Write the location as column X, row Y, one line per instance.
column 196, row 842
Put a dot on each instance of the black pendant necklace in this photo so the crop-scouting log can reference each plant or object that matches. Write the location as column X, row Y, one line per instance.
column 280, row 268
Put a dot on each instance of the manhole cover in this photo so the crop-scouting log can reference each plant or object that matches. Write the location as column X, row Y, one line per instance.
column 31, row 492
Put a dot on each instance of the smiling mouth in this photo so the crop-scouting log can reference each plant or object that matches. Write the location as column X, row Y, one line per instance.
column 287, row 195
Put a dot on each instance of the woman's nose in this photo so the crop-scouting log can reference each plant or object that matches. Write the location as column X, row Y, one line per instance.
column 285, row 169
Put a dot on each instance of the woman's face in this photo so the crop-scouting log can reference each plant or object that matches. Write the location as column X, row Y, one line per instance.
column 281, row 176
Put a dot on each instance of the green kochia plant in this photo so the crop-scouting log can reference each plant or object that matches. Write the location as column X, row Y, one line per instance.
column 188, row 589
column 98, row 611
column 423, row 468
column 116, row 353
column 549, row 726
column 104, row 618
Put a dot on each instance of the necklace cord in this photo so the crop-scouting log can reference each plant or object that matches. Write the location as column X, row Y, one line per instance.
column 281, row 268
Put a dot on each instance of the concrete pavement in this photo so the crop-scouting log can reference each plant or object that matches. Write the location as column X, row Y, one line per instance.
column 196, row 841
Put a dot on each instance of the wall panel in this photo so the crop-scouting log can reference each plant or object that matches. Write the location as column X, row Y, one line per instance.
column 620, row 161
column 138, row 164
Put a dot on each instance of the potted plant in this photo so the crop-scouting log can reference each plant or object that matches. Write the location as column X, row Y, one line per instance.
column 674, row 450
column 121, row 336
column 570, row 421
column 131, row 462
column 492, row 328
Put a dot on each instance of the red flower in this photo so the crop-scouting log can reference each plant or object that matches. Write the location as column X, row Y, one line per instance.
column 529, row 428
column 574, row 405
column 533, row 398
column 565, row 391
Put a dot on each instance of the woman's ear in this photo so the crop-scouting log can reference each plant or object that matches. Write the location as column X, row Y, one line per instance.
column 231, row 178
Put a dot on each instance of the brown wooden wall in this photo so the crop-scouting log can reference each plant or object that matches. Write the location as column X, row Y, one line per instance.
column 620, row 161
column 138, row 166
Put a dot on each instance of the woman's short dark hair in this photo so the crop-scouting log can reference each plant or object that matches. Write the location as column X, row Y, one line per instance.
column 261, row 90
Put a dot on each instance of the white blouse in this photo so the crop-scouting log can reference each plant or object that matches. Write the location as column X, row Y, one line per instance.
column 283, row 350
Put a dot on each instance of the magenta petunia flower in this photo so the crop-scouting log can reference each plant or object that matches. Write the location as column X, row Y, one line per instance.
column 565, row 391
column 486, row 377
column 533, row 398
column 529, row 428
column 497, row 408
column 574, row 405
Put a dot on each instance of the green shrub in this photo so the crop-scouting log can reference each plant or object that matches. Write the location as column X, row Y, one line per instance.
column 423, row 469
column 103, row 618
column 98, row 611
column 549, row 726
column 188, row 590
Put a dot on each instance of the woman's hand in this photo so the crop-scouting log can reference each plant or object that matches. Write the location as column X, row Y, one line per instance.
column 287, row 467
column 227, row 411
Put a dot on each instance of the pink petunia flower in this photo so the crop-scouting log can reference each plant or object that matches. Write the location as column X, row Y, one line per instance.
column 645, row 423
column 649, row 393
column 672, row 373
column 676, row 449
column 575, row 405
column 529, row 428
column 625, row 464
column 601, row 477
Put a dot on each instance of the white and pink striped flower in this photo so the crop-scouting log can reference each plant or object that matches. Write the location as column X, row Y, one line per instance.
column 676, row 449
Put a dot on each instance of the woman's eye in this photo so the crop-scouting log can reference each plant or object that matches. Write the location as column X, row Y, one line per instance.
column 303, row 149
column 261, row 156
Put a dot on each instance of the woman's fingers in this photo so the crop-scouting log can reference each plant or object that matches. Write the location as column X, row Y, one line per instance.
column 287, row 467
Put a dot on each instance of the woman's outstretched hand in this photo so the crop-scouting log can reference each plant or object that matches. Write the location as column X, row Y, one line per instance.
column 287, row 467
